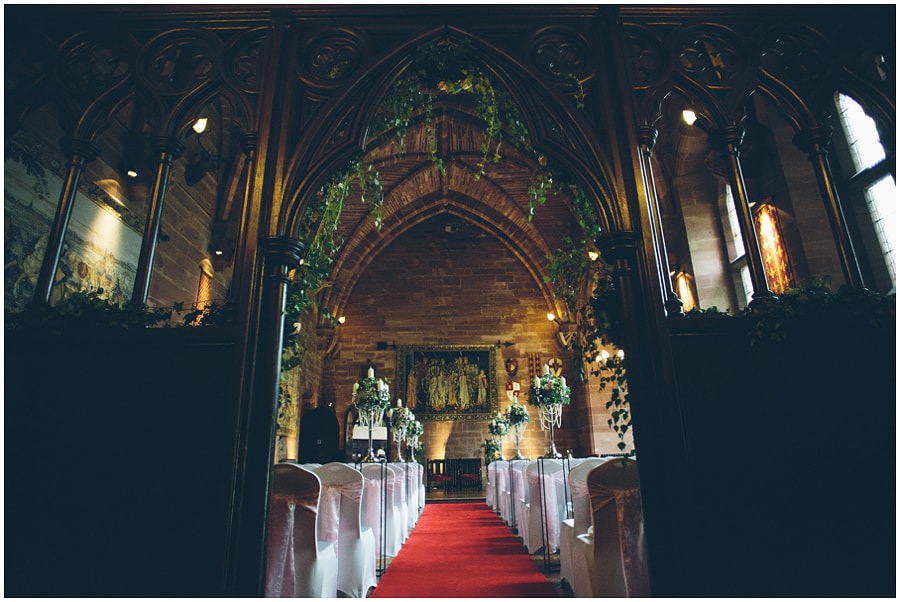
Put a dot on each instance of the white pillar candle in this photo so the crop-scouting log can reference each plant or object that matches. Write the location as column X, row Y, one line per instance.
column 399, row 402
column 537, row 382
column 371, row 372
column 355, row 388
column 546, row 369
column 562, row 380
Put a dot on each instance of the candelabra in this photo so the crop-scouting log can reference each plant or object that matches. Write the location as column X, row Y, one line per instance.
column 371, row 398
column 550, row 393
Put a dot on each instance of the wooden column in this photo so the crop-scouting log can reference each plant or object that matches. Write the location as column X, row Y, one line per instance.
column 81, row 152
column 728, row 142
column 647, row 136
column 169, row 149
column 280, row 256
column 815, row 141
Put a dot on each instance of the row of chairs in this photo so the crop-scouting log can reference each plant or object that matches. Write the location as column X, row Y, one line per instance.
column 587, row 509
column 332, row 526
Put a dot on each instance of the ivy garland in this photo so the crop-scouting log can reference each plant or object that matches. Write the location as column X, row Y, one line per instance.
column 441, row 68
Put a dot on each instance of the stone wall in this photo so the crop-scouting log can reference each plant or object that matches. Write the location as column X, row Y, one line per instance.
column 446, row 282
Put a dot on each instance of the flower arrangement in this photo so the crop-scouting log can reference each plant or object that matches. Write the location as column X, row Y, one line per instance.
column 491, row 451
column 399, row 419
column 549, row 389
column 517, row 414
column 498, row 427
column 371, row 397
column 414, row 430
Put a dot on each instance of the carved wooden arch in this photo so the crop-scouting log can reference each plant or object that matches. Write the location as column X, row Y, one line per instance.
column 505, row 221
column 784, row 64
column 89, row 92
column 340, row 130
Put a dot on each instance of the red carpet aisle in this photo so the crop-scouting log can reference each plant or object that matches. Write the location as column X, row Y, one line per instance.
column 462, row 550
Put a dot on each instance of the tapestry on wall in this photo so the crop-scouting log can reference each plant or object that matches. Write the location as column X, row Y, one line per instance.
column 448, row 382
column 100, row 250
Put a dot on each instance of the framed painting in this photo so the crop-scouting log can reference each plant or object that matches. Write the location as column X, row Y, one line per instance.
column 448, row 382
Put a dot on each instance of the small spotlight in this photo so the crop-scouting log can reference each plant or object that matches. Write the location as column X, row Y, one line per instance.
column 341, row 320
column 593, row 255
column 551, row 317
column 219, row 252
column 131, row 173
column 689, row 116
column 200, row 125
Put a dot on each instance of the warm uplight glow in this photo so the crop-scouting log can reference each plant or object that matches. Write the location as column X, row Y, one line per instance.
column 775, row 259
column 684, row 292
column 689, row 116
column 200, row 125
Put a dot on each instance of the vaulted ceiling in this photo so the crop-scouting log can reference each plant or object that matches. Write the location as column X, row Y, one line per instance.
column 415, row 190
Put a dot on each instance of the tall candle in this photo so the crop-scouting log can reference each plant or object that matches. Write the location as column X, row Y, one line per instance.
column 546, row 369
column 355, row 388
column 399, row 402
column 371, row 372
column 562, row 380
column 537, row 382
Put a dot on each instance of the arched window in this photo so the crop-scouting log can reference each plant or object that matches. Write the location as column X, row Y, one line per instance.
column 205, row 285
column 864, row 162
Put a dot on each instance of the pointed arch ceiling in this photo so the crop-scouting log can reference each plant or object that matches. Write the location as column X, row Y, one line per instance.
column 416, row 191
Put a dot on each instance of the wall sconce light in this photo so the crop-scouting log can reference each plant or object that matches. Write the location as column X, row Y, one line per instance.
column 604, row 356
column 342, row 319
column 201, row 160
column 551, row 316
column 689, row 116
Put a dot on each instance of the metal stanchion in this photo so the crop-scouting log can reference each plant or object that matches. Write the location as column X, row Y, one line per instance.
column 545, row 514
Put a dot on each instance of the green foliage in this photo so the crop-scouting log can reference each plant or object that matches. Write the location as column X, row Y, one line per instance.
column 288, row 420
column 498, row 427
column 611, row 371
column 517, row 413
column 491, row 451
column 549, row 389
column 772, row 318
column 584, row 282
column 87, row 310
column 448, row 67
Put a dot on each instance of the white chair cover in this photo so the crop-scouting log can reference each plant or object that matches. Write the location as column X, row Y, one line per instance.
column 570, row 528
column 298, row 565
column 517, row 491
column 374, row 511
column 398, row 494
column 526, row 490
column 610, row 561
column 342, row 498
column 544, row 505
column 411, row 472
column 421, row 481
column 489, row 497
column 503, row 490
